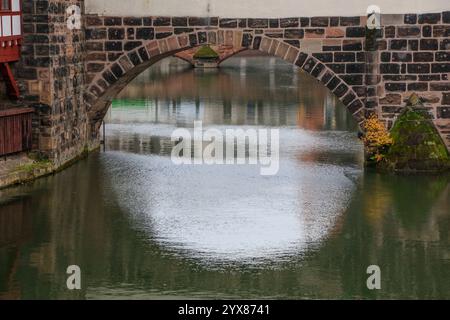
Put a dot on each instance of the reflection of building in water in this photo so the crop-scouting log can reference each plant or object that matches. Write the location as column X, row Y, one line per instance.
column 237, row 94
column 108, row 244
column 141, row 144
column 312, row 116
column 322, row 111
column 184, row 113
column 15, row 230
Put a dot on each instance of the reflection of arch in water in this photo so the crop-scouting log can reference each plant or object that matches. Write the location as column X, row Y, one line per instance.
column 407, row 239
column 114, row 77
column 309, row 105
column 119, row 255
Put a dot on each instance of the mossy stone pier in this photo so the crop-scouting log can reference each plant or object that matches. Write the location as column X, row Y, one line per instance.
column 417, row 145
column 206, row 57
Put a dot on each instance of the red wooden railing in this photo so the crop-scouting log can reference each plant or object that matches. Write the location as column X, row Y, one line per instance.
column 10, row 42
column 15, row 130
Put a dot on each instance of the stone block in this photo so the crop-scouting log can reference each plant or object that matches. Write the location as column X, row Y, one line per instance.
column 320, row 22
column 429, row 18
column 289, row 23
column 335, row 32
column 294, row 34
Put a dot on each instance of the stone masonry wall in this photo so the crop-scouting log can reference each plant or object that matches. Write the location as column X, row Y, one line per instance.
column 412, row 56
column 51, row 77
column 331, row 49
column 71, row 76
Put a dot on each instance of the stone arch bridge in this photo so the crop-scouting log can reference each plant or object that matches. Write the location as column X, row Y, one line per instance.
column 71, row 76
column 107, row 78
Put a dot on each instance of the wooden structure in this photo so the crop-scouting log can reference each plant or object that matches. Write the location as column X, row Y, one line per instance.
column 10, row 41
column 15, row 130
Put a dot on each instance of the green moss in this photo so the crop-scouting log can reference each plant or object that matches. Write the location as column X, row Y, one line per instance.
column 206, row 52
column 417, row 145
column 36, row 165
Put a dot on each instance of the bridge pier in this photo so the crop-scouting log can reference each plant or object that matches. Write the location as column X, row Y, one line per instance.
column 52, row 79
column 70, row 76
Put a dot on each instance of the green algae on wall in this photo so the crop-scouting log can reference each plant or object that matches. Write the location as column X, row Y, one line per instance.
column 35, row 165
column 417, row 145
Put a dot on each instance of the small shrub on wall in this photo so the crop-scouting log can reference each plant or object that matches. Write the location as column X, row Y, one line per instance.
column 377, row 140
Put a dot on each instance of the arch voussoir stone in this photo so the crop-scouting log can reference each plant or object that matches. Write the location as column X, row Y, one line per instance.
column 309, row 64
column 115, row 76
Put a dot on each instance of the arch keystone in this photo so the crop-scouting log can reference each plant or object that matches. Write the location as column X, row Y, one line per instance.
column 212, row 37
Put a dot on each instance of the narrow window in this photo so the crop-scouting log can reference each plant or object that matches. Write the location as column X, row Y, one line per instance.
column 6, row 5
column 15, row 5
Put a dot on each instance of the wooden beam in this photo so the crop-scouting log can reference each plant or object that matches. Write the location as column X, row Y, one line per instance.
column 13, row 89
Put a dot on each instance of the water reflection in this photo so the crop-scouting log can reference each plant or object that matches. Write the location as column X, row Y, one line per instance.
column 122, row 261
column 140, row 227
column 223, row 215
column 274, row 94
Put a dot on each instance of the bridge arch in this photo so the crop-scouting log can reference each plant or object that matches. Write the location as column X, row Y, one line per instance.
column 109, row 81
column 70, row 76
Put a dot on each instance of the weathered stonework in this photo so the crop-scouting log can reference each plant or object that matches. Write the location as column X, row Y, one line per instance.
column 412, row 55
column 71, row 76
column 116, row 54
column 51, row 75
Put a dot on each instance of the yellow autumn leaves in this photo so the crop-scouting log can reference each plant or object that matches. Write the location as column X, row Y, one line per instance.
column 376, row 138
